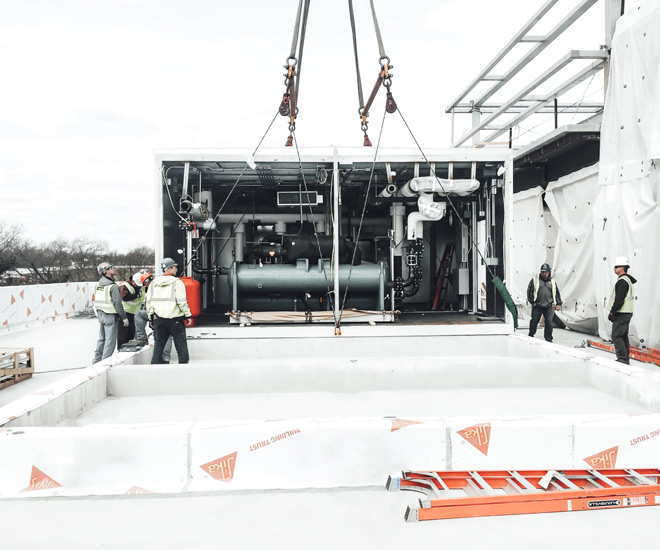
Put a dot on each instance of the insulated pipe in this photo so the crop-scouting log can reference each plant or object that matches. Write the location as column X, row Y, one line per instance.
column 398, row 211
column 429, row 211
column 239, row 244
column 389, row 191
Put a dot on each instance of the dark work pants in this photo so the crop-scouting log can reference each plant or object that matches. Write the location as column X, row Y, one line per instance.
column 124, row 334
column 620, row 327
column 547, row 313
column 163, row 329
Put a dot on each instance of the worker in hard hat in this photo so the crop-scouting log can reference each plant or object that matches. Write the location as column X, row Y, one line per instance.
column 543, row 295
column 109, row 311
column 621, row 308
column 141, row 320
column 167, row 307
column 132, row 297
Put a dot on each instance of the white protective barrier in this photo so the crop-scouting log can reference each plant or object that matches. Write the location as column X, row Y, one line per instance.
column 28, row 306
column 308, row 453
column 627, row 212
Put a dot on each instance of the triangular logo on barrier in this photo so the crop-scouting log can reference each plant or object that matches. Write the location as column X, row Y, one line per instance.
column 478, row 435
column 13, row 300
column 62, row 301
column 222, row 468
column 399, row 423
column 43, row 299
column 40, row 481
column 22, row 293
column 604, row 459
column 29, row 312
column 50, row 298
column 135, row 490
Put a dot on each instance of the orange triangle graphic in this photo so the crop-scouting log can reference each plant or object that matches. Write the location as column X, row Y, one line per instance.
column 477, row 435
column 13, row 300
column 66, row 315
column 56, row 314
column 73, row 307
column 604, row 459
column 62, row 301
column 39, row 481
column 43, row 299
column 29, row 312
column 22, row 292
column 399, row 423
column 6, row 322
column 77, row 288
column 50, row 298
column 135, row 490
column 221, row 469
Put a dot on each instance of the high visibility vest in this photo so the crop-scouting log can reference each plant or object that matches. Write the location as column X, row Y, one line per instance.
column 629, row 300
column 167, row 301
column 537, row 283
column 103, row 298
column 131, row 306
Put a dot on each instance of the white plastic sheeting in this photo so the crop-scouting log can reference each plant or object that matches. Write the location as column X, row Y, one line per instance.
column 613, row 208
column 570, row 200
column 627, row 212
column 532, row 244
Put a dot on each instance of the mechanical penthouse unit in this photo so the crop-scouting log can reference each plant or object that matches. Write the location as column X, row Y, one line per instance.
column 329, row 235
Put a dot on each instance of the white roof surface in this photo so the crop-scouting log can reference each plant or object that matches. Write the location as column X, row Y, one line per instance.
column 318, row 518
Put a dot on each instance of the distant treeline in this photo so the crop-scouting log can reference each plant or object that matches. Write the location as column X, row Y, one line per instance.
column 61, row 261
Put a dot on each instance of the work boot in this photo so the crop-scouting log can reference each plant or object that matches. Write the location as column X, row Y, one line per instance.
column 136, row 342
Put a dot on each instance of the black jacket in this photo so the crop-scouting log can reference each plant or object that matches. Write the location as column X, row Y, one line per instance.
column 620, row 291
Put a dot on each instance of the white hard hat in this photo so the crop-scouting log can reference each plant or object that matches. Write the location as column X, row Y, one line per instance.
column 621, row 261
column 103, row 267
column 137, row 279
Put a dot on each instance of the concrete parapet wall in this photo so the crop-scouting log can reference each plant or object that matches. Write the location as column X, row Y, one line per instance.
column 28, row 306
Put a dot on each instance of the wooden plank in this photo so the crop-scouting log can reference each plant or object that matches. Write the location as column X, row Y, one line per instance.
column 16, row 365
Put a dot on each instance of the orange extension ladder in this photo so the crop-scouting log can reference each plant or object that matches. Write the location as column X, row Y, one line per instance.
column 648, row 355
column 501, row 493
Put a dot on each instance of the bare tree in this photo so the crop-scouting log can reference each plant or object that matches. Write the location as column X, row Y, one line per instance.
column 48, row 263
column 84, row 256
column 10, row 238
column 141, row 257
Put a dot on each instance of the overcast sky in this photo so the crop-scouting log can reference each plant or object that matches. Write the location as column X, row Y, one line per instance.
column 91, row 88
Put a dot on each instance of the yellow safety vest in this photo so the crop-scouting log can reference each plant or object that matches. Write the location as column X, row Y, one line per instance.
column 166, row 298
column 132, row 306
column 554, row 289
column 629, row 300
column 103, row 298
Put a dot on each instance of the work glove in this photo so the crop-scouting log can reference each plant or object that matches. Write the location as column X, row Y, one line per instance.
column 187, row 321
column 151, row 324
column 125, row 321
column 611, row 316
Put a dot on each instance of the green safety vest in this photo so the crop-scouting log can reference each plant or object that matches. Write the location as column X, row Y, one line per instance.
column 132, row 306
column 554, row 289
column 103, row 299
column 629, row 300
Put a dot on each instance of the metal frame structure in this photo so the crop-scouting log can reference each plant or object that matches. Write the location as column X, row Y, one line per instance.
column 523, row 104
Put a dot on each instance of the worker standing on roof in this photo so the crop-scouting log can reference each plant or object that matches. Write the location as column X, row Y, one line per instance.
column 543, row 294
column 109, row 310
column 622, row 304
column 132, row 298
column 141, row 318
column 167, row 307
